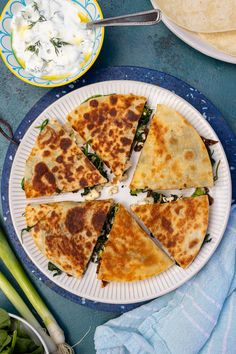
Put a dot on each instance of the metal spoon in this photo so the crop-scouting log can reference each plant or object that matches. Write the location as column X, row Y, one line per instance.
column 138, row 19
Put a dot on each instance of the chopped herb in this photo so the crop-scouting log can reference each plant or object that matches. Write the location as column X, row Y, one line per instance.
column 23, row 214
column 33, row 23
column 207, row 239
column 27, row 229
column 86, row 191
column 22, row 183
column 136, row 191
column 216, row 172
column 34, row 48
column 142, row 131
column 35, row 6
column 54, row 268
column 58, row 43
column 58, row 190
column 43, row 125
column 95, row 159
column 104, row 234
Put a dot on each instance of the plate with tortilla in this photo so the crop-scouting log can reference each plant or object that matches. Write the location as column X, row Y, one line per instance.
column 204, row 26
column 86, row 174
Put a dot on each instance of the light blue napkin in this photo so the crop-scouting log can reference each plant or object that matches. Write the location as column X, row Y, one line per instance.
column 199, row 317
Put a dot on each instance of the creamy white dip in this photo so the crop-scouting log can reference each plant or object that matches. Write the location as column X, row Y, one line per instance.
column 49, row 39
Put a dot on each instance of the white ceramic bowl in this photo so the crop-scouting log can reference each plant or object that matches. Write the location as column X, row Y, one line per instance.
column 31, row 331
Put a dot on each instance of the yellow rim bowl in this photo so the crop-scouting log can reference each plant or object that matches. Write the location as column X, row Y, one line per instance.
column 88, row 9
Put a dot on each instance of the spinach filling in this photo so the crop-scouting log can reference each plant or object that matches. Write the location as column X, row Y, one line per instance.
column 207, row 239
column 142, row 130
column 87, row 190
column 55, row 269
column 95, row 159
column 99, row 247
column 157, row 197
column 208, row 143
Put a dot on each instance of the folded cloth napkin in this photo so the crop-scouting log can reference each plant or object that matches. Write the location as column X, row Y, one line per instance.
column 198, row 317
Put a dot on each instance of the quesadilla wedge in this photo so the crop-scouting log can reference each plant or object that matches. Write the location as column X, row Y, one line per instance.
column 180, row 225
column 57, row 164
column 66, row 232
column 109, row 124
column 129, row 253
column 174, row 155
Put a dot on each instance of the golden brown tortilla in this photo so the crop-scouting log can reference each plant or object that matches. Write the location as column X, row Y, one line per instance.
column 201, row 15
column 223, row 41
column 174, row 155
column 180, row 226
column 67, row 232
column 109, row 124
column 129, row 253
column 56, row 164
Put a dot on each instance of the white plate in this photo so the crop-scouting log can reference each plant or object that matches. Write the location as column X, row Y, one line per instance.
column 89, row 287
column 195, row 41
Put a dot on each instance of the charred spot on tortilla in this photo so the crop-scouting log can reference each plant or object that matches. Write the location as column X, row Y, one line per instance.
column 109, row 125
column 56, row 163
column 180, row 226
column 174, row 155
column 129, row 253
column 66, row 232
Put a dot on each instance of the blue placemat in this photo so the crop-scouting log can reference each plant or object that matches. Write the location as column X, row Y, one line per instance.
column 190, row 94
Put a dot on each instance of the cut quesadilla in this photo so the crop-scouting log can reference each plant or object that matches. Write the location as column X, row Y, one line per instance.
column 180, row 226
column 57, row 164
column 109, row 124
column 66, row 232
column 129, row 253
column 174, row 155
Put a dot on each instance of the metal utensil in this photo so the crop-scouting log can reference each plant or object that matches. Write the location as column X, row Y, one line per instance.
column 138, row 19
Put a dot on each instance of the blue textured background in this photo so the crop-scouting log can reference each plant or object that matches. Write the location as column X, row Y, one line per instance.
column 153, row 47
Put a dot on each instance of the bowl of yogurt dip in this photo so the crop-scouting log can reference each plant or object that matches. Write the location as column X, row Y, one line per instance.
column 46, row 43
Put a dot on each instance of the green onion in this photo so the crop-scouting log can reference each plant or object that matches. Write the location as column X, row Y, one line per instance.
column 43, row 125
column 14, row 266
column 24, row 311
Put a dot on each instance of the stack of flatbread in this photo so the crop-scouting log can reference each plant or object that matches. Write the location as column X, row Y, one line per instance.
column 213, row 20
column 173, row 157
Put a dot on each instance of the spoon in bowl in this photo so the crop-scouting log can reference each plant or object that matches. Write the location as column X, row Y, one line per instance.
column 145, row 18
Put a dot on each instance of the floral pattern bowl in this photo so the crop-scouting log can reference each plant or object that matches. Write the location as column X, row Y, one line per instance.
column 89, row 8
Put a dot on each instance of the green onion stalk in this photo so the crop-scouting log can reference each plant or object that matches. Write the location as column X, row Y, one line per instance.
column 56, row 341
